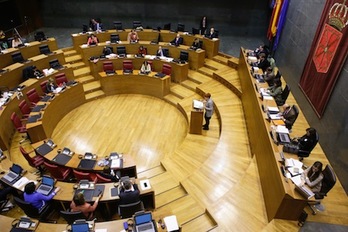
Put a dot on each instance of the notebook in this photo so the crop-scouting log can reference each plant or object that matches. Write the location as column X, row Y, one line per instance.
column 46, row 186
column 14, row 174
column 143, row 222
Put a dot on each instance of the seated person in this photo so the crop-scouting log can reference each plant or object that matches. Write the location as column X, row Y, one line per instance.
column 16, row 41
column 129, row 193
column 96, row 25
column 3, row 42
column 36, row 199
column 269, row 76
column 261, row 49
column 263, row 62
column 133, row 36
column 289, row 116
column 276, row 92
column 79, row 204
column 313, row 176
column 108, row 173
column 92, row 40
column 142, row 51
column 106, row 51
column 196, row 44
column 211, row 34
column 50, row 86
column 178, row 40
column 307, row 141
column 159, row 51
column 6, row 190
column 145, row 68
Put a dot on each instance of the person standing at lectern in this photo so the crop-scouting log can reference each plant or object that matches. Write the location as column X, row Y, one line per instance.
column 209, row 110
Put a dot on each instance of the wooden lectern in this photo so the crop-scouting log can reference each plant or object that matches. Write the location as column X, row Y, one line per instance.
column 196, row 122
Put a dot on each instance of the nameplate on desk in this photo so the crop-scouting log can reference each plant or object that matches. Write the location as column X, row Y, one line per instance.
column 145, row 184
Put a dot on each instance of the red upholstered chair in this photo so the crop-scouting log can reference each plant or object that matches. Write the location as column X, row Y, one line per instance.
column 167, row 69
column 108, row 67
column 25, row 109
column 35, row 161
column 101, row 179
column 17, row 122
column 84, row 176
column 127, row 66
column 33, row 96
column 61, row 79
column 60, row 173
column 44, row 86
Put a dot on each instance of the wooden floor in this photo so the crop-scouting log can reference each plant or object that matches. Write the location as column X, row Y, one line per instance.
column 209, row 181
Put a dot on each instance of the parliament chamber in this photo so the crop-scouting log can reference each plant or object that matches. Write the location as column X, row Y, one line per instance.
column 211, row 181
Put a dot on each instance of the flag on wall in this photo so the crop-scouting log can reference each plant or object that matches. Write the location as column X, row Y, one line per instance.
column 327, row 55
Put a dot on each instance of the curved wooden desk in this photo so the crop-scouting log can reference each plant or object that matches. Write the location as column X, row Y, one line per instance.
column 179, row 71
column 135, row 83
column 281, row 199
column 211, row 47
column 14, row 76
column 56, row 109
column 31, row 50
column 195, row 59
column 6, row 126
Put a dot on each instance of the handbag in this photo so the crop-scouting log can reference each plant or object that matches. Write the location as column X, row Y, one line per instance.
column 290, row 148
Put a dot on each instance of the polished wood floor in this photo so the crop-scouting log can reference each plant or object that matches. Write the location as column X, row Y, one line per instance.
column 212, row 174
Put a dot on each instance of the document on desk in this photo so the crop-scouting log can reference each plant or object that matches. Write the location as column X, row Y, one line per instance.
column 273, row 110
column 282, row 129
column 171, row 223
column 296, row 179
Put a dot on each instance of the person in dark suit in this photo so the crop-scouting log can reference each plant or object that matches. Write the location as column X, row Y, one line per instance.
column 196, row 44
column 263, row 62
column 308, row 140
column 160, row 52
column 203, row 25
column 108, row 173
column 289, row 116
column 178, row 40
column 211, row 34
column 129, row 193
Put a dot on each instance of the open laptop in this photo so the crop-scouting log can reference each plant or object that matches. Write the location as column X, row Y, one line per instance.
column 143, row 222
column 46, row 186
column 80, row 227
column 14, row 174
column 283, row 138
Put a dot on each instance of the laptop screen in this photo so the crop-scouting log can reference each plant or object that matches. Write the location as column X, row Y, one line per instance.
column 143, row 218
column 80, row 227
column 16, row 168
column 47, row 180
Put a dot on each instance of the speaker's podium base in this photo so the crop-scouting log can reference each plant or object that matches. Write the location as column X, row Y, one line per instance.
column 196, row 122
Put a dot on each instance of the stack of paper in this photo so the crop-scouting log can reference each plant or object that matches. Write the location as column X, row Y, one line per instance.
column 294, row 166
column 171, row 223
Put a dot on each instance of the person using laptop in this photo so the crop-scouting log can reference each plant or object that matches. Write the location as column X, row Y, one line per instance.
column 79, row 204
column 313, row 176
column 35, row 198
column 129, row 193
column 307, row 141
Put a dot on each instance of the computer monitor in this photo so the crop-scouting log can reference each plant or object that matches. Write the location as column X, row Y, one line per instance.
column 84, row 28
column 44, row 49
column 114, row 38
column 165, row 52
column 121, row 50
column 195, row 31
column 136, row 24
column 118, row 25
column 17, row 57
column 181, row 27
column 167, row 26
column 184, row 56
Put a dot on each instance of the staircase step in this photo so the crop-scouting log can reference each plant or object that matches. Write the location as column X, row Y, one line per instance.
column 198, row 77
column 185, row 208
column 91, row 86
column 221, row 59
column 169, row 196
column 180, row 91
column 67, row 49
column 214, row 65
column 163, row 182
column 77, row 65
column 189, row 84
column 94, row 95
column 85, row 79
column 202, row 223
column 207, row 71
column 82, row 71
column 172, row 99
column 149, row 173
column 73, row 58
